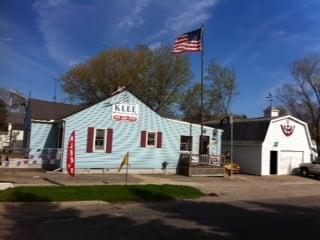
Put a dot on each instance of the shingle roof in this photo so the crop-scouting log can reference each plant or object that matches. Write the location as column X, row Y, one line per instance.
column 244, row 129
column 15, row 117
column 44, row 110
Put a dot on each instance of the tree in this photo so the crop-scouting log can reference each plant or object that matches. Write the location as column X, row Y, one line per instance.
column 302, row 98
column 157, row 77
column 3, row 116
column 222, row 88
column 283, row 111
column 219, row 91
column 191, row 104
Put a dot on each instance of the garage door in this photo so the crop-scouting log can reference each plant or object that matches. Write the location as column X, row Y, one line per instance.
column 289, row 160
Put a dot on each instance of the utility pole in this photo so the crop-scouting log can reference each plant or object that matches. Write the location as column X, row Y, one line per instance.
column 55, row 90
column 29, row 89
column 270, row 98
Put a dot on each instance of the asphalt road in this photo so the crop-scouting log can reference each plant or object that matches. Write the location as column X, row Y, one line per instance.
column 283, row 218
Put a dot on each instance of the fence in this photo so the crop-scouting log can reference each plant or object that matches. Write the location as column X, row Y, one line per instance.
column 47, row 158
column 206, row 159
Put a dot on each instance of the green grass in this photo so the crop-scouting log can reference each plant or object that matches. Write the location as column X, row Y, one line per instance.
column 112, row 193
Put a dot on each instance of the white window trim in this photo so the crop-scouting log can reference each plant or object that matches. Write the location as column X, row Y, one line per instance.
column 155, row 139
column 104, row 140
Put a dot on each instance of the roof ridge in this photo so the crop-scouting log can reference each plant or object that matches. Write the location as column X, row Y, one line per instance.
column 50, row 102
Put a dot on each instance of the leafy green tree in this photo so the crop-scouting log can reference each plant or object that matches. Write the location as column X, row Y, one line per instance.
column 157, row 77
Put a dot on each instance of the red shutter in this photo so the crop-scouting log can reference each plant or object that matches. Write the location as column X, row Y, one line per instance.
column 159, row 139
column 109, row 140
column 90, row 139
column 143, row 138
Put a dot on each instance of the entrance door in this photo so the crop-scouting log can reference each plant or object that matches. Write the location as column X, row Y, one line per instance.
column 204, row 143
column 273, row 162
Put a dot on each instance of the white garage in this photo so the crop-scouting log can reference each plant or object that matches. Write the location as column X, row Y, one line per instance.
column 289, row 160
column 269, row 145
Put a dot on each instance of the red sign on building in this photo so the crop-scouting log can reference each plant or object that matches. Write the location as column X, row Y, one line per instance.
column 125, row 112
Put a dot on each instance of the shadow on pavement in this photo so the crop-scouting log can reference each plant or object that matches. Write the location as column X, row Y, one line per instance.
column 163, row 220
column 249, row 220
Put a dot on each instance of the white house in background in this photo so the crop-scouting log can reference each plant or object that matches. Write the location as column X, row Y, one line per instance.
column 314, row 149
column 270, row 145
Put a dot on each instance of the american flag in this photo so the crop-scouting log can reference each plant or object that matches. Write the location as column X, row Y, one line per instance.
column 188, row 42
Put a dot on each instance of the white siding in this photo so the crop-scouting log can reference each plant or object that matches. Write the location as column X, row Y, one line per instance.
column 297, row 142
column 289, row 160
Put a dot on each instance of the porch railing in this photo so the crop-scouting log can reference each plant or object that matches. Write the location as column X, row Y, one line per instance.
column 202, row 159
column 47, row 158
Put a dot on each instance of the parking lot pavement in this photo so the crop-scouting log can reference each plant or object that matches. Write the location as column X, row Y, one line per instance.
column 242, row 187
column 223, row 188
column 280, row 218
column 242, row 207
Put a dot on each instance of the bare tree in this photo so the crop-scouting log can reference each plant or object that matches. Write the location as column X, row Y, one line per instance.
column 190, row 105
column 3, row 116
column 222, row 88
column 302, row 98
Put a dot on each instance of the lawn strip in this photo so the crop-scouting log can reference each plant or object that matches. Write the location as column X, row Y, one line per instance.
column 111, row 193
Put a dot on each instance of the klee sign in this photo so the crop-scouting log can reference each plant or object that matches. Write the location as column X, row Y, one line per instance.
column 125, row 112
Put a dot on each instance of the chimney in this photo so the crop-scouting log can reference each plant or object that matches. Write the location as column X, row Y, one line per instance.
column 271, row 112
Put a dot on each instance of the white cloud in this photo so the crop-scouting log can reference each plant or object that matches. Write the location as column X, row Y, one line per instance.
column 63, row 22
column 21, row 63
column 13, row 58
column 256, row 33
column 47, row 3
column 190, row 15
column 52, row 35
column 193, row 15
column 134, row 19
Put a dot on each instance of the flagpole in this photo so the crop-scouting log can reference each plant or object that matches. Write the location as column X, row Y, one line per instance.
column 201, row 85
column 231, row 147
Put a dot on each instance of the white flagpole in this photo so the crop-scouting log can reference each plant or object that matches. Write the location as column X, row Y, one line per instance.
column 201, row 88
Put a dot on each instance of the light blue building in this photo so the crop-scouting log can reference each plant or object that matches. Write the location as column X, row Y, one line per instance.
column 106, row 131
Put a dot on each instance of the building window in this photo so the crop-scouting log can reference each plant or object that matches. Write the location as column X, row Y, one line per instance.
column 99, row 141
column 186, row 143
column 151, row 139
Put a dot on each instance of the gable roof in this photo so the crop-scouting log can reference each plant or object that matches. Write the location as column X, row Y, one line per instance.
column 15, row 118
column 253, row 129
column 45, row 110
column 123, row 92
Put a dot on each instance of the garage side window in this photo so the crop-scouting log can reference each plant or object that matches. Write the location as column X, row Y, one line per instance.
column 99, row 140
column 151, row 139
column 186, row 143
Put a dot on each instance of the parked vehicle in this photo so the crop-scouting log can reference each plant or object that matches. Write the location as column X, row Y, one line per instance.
column 235, row 167
column 310, row 168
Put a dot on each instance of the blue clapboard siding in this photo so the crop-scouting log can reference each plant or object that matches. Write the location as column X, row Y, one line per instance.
column 43, row 135
column 126, row 136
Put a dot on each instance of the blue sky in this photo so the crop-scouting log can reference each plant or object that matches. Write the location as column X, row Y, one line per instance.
column 40, row 40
